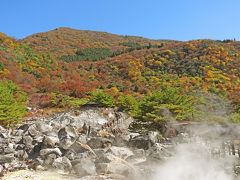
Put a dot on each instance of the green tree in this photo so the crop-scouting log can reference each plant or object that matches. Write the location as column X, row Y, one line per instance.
column 102, row 98
column 12, row 103
column 128, row 103
column 166, row 104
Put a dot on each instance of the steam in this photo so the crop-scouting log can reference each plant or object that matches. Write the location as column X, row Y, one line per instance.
column 202, row 151
column 194, row 161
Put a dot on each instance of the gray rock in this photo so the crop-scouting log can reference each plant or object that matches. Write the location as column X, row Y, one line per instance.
column 67, row 136
column 71, row 131
column 40, row 168
column 39, row 161
column 65, row 120
column 104, row 177
column 77, row 148
column 2, row 129
column 138, row 157
column 15, row 164
column 38, row 139
column 4, row 135
column 99, row 142
column 75, row 157
column 45, row 152
column 27, row 140
column 16, row 139
column 62, row 163
column 35, row 152
column 70, row 154
column 121, row 152
column 43, row 127
column 105, row 158
column 50, row 159
column 20, row 146
column 59, row 142
column 1, row 169
column 82, row 139
column 85, row 167
column 6, row 158
column 67, row 132
column 32, row 130
column 55, row 125
column 66, row 143
column 119, row 168
column 100, row 152
column 24, row 127
column 158, row 152
column 90, row 117
column 8, row 150
column 140, row 142
column 19, row 132
column 50, row 141
column 101, row 168
column 4, row 141
column 139, row 152
column 154, row 136
column 21, row 154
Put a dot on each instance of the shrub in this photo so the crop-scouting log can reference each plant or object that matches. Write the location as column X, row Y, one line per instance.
column 12, row 103
column 165, row 104
column 128, row 103
column 102, row 98
column 64, row 101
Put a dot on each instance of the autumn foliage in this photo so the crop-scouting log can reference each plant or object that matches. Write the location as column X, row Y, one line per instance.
column 77, row 64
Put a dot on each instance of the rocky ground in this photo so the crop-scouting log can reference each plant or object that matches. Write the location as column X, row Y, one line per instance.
column 91, row 143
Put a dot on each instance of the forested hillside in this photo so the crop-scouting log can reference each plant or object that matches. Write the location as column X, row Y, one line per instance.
column 66, row 68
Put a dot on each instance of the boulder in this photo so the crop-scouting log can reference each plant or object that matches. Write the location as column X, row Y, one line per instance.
column 138, row 157
column 19, row 132
column 3, row 135
column 27, row 141
column 85, row 167
column 101, row 168
column 105, row 158
column 43, row 127
column 6, row 158
column 99, row 142
column 67, row 136
column 32, row 130
column 50, row 159
column 35, row 152
column 121, row 152
column 24, row 127
column 77, row 147
column 8, row 149
column 140, row 142
column 50, row 141
column 158, row 152
column 62, row 163
column 47, row 151
column 21, row 154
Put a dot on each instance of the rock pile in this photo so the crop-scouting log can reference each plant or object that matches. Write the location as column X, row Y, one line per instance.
column 86, row 142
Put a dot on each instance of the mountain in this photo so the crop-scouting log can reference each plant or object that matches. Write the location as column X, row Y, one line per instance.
column 63, row 65
column 62, row 41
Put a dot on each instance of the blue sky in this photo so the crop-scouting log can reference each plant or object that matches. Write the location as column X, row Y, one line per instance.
column 157, row 19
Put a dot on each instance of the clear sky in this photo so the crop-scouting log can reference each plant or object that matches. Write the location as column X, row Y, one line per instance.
column 157, row 19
